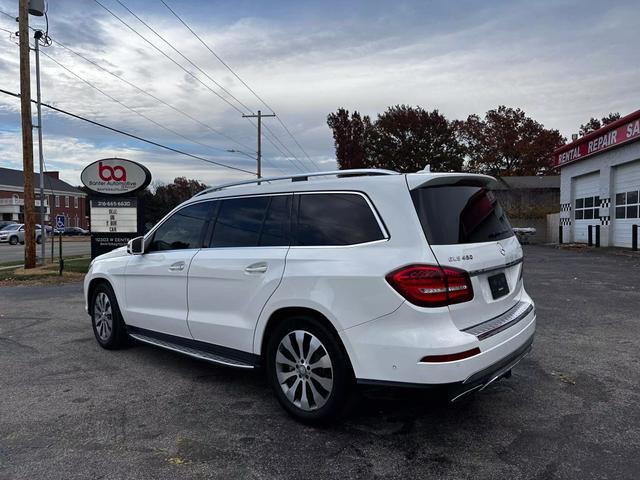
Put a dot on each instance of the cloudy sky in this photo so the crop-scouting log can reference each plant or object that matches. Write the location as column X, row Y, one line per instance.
column 560, row 61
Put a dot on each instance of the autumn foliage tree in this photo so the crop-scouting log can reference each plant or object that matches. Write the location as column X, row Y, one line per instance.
column 403, row 138
column 160, row 200
column 507, row 142
column 351, row 135
column 406, row 139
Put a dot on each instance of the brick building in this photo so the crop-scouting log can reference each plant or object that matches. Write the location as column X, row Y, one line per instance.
column 60, row 199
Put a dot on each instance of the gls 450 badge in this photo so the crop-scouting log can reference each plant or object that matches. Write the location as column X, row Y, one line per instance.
column 459, row 258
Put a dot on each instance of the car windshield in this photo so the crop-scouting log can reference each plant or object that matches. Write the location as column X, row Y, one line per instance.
column 15, row 226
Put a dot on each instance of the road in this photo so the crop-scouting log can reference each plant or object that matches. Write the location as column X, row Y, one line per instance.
column 10, row 253
column 571, row 410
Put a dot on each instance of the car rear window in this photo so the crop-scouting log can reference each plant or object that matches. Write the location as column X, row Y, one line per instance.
column 457, row 214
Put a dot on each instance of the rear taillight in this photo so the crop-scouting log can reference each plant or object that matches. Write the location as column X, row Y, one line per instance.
column 431, row 285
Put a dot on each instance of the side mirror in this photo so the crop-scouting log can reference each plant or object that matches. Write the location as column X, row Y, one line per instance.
column 135, row 246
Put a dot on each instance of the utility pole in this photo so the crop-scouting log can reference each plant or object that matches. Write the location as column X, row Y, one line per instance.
column 43, row 231
column 259, row 116
column 27, row 137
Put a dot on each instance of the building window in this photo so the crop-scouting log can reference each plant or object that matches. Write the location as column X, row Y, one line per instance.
column 587, row 208
column 66, row 201
column 627, row 204
column 57, row 197
column 75, row 202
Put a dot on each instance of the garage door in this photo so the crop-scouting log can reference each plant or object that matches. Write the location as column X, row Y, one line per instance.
column 626, row 201
column 586, row 205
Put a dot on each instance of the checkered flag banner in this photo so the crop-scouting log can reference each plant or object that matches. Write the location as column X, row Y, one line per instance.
column 605, row 202
column 565, row 222
column 605, row 220
column 565, row 207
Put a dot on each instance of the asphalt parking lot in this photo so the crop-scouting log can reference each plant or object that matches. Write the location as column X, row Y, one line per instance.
column 69, row 409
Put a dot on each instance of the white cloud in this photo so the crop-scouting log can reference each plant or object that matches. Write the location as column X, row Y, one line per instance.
column 560, row 63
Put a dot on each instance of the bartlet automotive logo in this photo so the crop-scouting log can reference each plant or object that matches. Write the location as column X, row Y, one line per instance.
column 107, row 173
column 115, row 176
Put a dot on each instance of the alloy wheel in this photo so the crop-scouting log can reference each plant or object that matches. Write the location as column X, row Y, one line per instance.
column 304, row 370
column 103, row 316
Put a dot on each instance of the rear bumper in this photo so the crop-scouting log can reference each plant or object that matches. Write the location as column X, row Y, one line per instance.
column 388, row 350
column 476, row 382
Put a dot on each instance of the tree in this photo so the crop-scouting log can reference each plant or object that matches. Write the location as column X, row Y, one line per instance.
column 507, row 142
column 407, row 138
column 351, row 138
column 160, row 200
column 403, row 138
column 594, row 124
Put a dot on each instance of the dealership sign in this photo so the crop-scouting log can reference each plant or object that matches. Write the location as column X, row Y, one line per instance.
column 616, row 133
column 115, row 217
column 115, row 176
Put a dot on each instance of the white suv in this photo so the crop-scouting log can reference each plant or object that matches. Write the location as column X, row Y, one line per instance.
column 327, row 280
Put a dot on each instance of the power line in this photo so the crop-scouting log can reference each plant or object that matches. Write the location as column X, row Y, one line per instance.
column 133, row 110
column 146, row 92
column 171, row 59
column 181, row 67
column 206, row 75
column 239, row 79
column 131, row 135
column 182, row 55
column 159, row 100
column 142, row 90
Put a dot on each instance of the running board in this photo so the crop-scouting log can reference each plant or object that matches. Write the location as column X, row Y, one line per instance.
column 194, row 349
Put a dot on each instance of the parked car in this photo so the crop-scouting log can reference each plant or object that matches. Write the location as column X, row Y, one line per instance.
column 365, row 277
column 5, row 223
column 74, row 231
column 14, row 233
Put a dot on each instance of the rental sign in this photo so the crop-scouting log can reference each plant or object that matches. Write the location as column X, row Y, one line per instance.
column 621, row 131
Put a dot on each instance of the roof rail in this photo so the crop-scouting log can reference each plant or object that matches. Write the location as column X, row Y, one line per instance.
column 356, row 172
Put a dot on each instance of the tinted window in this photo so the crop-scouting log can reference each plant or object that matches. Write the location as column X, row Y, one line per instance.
column 460, row 214
column 275, row 231
column 184, row 229
column 579, row 203
column 621, row 198
column 252, row 222
column 579, row 214
column 588, row 202
column 632, row 212
column 620, row 212
column 335, row 219
column 632, row 197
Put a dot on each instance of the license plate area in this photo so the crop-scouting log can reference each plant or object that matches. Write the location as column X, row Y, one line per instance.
column 499, row 286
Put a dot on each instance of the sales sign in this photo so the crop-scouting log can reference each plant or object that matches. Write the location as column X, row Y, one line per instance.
column 114, row 221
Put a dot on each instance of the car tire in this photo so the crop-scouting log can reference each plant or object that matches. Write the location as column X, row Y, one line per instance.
column 108, row 326
column 13, row 240
column 38, row 240
column 317, row 385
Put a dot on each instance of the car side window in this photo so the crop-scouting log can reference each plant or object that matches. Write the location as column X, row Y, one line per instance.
column 335, row 219
column 252, row 222
column 184, row 229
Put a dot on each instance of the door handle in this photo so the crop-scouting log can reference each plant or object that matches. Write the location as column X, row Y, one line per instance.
column 177, row 267
column 259, row 267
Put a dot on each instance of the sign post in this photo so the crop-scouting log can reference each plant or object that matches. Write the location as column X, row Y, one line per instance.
column 60, row 228
column 115, row 214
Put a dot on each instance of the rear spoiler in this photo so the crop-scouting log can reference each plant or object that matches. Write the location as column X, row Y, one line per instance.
column 419, row 180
